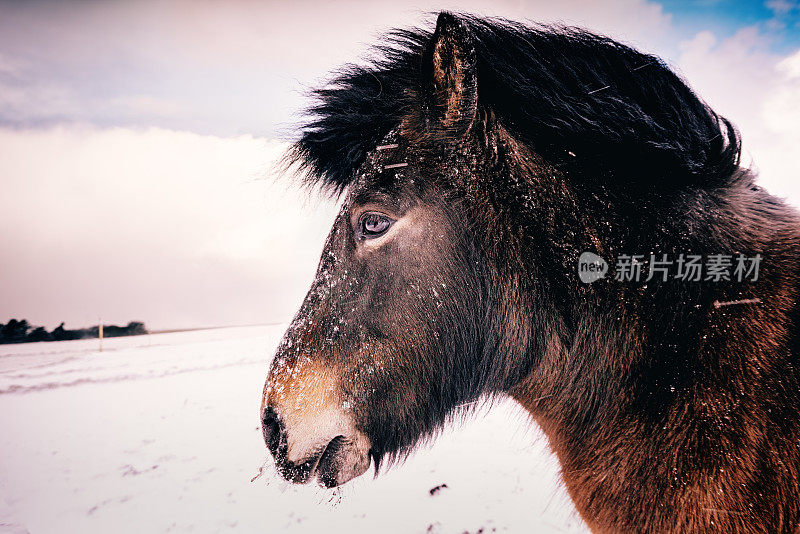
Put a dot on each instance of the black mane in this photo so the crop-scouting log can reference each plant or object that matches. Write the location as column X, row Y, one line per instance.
column 587, row 104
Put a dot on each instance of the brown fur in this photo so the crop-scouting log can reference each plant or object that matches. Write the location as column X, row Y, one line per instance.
column 668, row 413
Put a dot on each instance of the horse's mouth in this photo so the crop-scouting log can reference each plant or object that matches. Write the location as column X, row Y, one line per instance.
column 326, row 468
column 321, row 465
column 328, row 446
column 339, row 461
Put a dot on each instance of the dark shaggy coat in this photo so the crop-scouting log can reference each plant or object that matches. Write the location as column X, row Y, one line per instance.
column 667, row 412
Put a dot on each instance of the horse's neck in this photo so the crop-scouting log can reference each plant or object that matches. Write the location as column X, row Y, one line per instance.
column 721, row 419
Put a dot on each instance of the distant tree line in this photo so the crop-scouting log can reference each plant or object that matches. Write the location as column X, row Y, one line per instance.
column 21, row 332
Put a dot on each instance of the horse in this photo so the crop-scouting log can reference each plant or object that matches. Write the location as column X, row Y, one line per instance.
column 478, row 165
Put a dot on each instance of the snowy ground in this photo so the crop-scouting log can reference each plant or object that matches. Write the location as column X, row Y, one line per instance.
column 160, row 434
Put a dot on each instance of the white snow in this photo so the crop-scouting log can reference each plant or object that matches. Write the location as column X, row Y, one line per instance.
column 161, row 433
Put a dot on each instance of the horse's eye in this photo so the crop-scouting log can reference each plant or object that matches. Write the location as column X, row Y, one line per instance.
column 372, row 224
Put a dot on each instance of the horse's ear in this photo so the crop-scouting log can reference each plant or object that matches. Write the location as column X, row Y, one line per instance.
column 450, row 78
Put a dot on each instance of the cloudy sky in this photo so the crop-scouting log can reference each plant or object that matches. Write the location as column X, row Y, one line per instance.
column 138, row 139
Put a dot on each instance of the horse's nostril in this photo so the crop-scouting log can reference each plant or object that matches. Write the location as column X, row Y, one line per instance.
column 273, row 430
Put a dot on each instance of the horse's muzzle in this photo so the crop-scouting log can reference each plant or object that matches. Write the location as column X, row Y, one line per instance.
column 328, row 449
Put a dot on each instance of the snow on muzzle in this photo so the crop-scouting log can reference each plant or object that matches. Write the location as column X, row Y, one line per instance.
column 308, row 430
